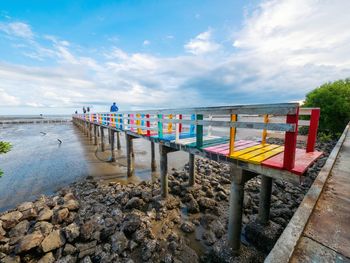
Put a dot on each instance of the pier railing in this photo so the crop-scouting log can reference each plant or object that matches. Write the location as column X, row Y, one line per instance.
column 177, row 124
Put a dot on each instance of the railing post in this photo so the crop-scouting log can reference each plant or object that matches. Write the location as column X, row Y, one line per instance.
column 199, row 132
column 170, row 124
column 290, row 142
column 264, row 133
column 312, row 136
column 180, row 124
column 160, row 126
column 192, row 126
column 148, row 125
column 233, row 118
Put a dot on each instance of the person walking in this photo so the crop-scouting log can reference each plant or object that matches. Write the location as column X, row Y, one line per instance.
column 114, row 107
column 84, row 110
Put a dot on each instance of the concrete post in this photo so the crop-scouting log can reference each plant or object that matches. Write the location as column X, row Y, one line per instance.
column 112, row 145
column 118, row 141
column 90, row 131
column 95, row 134
column 265, row 199
column 102, row 139
column 129, row 155
column 153, row 158
column 191, row 170
column 163, row 170
column 239, row 178
column 109, row 136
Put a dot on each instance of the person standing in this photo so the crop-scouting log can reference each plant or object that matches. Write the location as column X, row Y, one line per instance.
column 84, row 110
column 114, row 107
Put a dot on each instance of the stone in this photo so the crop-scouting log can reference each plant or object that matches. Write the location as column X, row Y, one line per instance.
column 206, row 203
column 11, row 219
column 119, row 242
column 25, row 206
column 20, row 229
column 148, row 249
column 28, row 242
column 136, row 203
column 44, row 227
column 69, row 249
column 45, row 214
column 47, row 258
column 60, row 215
column 72, row 205
column 172, row 202
column 29, row 214
column 131, row 223
column 67, row 259
column 187, row 227
column 54, row 240
column 87, row 229
column 86, row 249
column 11, row 259
column 192, row 206
column 71, row 232
column 209, row 238
column 86, row 259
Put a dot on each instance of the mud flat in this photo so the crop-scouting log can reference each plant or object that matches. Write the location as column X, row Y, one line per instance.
column 92, row 221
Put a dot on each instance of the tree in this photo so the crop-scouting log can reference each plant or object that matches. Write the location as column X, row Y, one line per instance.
column 334, row 100
column 4, row 148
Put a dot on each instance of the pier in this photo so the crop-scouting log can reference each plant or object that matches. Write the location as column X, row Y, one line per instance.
column 192, row 130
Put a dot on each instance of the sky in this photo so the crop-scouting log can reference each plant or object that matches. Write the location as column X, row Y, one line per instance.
column 58, row 56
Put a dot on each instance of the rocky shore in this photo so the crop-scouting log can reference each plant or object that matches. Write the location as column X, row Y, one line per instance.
column 90, row 221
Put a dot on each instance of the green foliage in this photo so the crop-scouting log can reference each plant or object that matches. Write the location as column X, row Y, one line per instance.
column 334, row 100
column 4, row 148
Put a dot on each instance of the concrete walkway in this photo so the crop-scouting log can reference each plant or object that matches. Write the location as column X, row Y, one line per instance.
column 320, row 229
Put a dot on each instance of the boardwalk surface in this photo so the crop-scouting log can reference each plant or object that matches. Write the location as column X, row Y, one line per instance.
column 326, row 237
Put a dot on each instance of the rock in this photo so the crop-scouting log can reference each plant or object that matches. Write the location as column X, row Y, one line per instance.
column 71, row 232
column 54, row 240
column 20, row 229
column 86, row 249
column 60, row 215
column 119, row 242
column 45, row 214
column 206, row 203
column 131, row 223
column 48, row 258
column 69, row 249
column 28, row 242
column 148, row 249
column 11, row 219
column 136, row 203
column 29, row 214
column 218, row 228
column 172, row 202
column 209, row 238
column 192, row 206
column 87, row 229
column 25, row 206
column 44, row 227
column 187, row 227
column 67, row 259
column 71, row 204
column 11, row 259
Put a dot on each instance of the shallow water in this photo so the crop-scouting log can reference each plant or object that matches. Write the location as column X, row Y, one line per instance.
column 39, row 164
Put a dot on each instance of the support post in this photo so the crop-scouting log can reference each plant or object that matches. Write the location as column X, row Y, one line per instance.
column 118, row 141
column 265, row 199
column 153, row 158
column 191, row 170
column 102, row 139
column 112, row 145
column 90, row 131
column 163, row 170
column 95, row 134
column 109, row 135
column 239, row 178
column 129, row 155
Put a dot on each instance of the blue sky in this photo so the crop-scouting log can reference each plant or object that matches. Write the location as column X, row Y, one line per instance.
column 56, row 56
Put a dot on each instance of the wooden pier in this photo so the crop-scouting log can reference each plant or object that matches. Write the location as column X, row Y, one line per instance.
column 192, row 130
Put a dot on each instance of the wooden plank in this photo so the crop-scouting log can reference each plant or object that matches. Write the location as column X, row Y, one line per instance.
column 241, row 147
column 160, row 126
column 247, row 150
column 193, row 140
column 264, row 133
column 225, row 145
column 251, row 154
column 312, row 136
column 170, row 124
column 262, row 157
column 303, row 160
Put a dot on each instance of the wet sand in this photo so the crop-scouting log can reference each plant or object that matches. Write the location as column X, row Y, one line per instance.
column 38, row 164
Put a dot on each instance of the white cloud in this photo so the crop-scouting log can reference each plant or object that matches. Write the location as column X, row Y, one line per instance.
column 146, row 42
column 17, row 29
column 202, row 44
column 7, row 99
